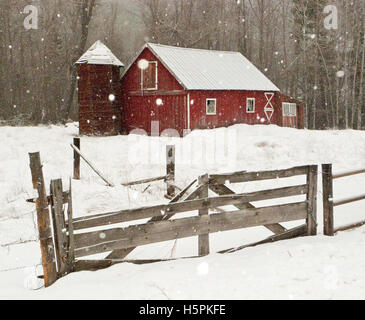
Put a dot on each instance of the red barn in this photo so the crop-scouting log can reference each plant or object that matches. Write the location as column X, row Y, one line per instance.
column 184, row 89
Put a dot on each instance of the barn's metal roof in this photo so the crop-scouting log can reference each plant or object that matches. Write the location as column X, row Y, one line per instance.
column 99, row 53
column 198, row 69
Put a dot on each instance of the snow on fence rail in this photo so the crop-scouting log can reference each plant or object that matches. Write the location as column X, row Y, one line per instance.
column 329, row 203
column 60, row 257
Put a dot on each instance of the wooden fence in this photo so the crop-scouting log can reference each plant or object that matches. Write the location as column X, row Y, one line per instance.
column 329, row 203
column 74, row 238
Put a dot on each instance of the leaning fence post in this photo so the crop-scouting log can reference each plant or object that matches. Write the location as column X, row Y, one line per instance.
column 43, row 219
column 203, row 239
column 312, row 176
column 77, row 159
column 59, row 226
column 170, row 171
column 327, row 182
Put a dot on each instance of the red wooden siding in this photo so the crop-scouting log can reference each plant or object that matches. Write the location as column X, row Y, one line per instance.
column 97, row 114
column 231, row 109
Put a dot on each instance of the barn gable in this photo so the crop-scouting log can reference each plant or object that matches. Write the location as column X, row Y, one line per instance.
column 198, row 69
column 135, row 74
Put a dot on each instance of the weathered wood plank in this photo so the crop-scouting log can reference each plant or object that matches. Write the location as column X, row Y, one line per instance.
column 350, row 226
column 71, row 238
column 348, row 174
column 222, row 189
column 244, row 176
column 170, row 171
column 77, row 159
column 142, row 181
column 171, row 209
column 341, row 202
column 203, row 239
column 92, row 166
column 58, row 220
column 92, row 265
column 327, row 192
column 43, row 221
column 122, row 253
column 312, row 177
column 288, row 234
column 107, row 240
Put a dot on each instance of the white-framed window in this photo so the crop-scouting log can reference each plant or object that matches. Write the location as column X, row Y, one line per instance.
column 149, row 76
column 250, row 105
column 211, row 105
column 289, row 109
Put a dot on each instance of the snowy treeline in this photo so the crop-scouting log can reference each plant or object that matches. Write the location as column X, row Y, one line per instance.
column 287, row 39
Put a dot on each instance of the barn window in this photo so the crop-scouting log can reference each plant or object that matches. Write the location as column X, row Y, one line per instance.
column 149, row 76
column 250, row 105
column 289, row 109
column 211, row 106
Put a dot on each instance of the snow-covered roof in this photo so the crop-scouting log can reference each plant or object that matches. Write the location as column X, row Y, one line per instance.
column 99, row 53
column 198, row 69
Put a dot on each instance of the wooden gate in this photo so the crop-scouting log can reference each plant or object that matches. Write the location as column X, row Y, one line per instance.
column 120, row 241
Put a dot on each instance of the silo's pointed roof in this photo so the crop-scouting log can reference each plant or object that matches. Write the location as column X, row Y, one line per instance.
column 99, row 53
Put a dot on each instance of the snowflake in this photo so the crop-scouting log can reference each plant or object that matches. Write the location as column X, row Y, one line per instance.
column 143, row 64
column 340, row 74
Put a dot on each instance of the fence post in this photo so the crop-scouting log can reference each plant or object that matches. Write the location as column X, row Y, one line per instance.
column 170, row 171
column 77, row 159
column 327, row 182
column 43, row 219
column 203, row 239
column 71, row 239
column 59, row 225
column 312, row 176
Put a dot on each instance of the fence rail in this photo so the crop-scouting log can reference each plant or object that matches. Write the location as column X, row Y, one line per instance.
column 329, row 203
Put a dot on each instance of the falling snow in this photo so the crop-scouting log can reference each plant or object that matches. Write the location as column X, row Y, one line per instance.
column 340, row 74
column 143, row 64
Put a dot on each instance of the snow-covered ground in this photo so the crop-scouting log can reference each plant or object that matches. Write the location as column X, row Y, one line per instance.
column 315, row 267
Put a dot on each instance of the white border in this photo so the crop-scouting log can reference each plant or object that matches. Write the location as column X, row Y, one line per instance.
column 206, row 107
column 254, row 105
